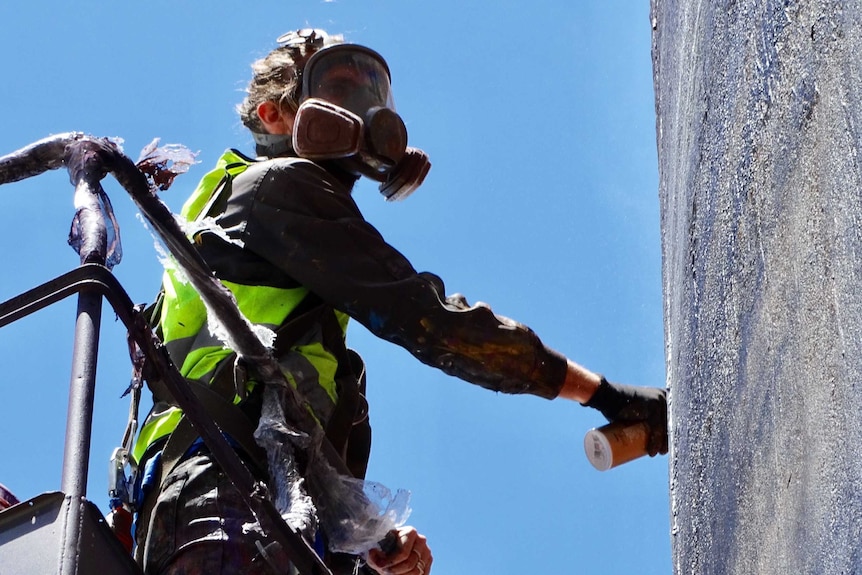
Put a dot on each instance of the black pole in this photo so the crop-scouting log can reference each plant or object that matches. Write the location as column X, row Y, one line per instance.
column 82, row 385
column 89, row 236
column 79, row 423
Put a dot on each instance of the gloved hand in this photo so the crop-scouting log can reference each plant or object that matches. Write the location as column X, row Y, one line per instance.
column 627, row 403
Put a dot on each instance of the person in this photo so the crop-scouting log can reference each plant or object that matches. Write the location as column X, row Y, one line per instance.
column 7, row 498
column 290, row 242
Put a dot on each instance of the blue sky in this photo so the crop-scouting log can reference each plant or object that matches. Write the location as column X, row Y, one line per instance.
column 542, row 201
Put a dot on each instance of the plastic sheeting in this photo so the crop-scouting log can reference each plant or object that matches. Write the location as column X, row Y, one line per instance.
column 759, row 114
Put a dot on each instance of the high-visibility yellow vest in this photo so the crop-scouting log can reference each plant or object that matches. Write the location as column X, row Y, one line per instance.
column 197, row 353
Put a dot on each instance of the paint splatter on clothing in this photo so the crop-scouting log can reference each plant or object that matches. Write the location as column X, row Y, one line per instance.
column 294, row 217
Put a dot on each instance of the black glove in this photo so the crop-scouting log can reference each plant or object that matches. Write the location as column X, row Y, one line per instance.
column 628, row 403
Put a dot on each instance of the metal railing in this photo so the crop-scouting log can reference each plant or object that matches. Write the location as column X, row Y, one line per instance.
column 95, row 236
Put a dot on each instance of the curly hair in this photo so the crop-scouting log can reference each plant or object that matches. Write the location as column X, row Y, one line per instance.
column 278, row 76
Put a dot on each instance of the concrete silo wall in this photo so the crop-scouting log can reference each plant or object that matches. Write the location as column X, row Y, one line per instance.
column 759, row 117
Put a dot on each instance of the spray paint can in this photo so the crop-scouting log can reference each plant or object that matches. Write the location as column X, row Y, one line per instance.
column 616, row 443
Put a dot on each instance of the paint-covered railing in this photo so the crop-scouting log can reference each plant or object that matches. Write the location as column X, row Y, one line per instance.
column 95, row 235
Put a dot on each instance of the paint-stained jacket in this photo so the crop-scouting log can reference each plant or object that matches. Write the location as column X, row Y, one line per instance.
column 293, row 225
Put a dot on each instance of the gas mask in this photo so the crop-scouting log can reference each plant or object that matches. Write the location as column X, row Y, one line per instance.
column 347, row 113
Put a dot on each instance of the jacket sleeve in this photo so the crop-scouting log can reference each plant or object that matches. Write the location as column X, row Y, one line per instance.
column 298, row 217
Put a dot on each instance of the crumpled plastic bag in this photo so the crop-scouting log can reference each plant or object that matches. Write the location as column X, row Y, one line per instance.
column 357, row 514
column 354, row 514
column 287, row 486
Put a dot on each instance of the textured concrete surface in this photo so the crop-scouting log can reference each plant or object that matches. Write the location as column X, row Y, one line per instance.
column 759, row 112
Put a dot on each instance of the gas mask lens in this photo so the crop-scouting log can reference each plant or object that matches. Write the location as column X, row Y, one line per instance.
column 349, row 76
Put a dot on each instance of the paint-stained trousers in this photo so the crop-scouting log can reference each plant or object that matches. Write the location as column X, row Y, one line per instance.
column 196, row 525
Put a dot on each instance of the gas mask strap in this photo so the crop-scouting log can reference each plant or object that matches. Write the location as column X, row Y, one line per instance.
column 272, row 145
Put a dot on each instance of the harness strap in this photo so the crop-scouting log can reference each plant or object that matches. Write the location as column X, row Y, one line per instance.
column 352, row 445
column 218, row 398
column 350, row 415
column 232, row 422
